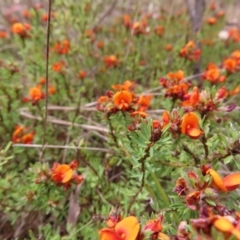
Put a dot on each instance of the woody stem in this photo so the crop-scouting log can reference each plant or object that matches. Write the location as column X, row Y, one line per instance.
column 111, row 130
column 204, row 142
column 196, row 159
column 47, row 81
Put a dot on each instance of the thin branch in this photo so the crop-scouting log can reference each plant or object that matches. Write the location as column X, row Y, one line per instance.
column 47, row 82
column 105, row 14
column 61, row 147
column 205, row 146
column 188, row 150
column 65, row 123
column 112, row 130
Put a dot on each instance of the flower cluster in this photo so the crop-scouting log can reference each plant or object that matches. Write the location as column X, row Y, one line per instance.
column 35, row 95
column 202, row 194
column 62, row 47
column 213, row 74
column 111, row 61
column 199, row 192
column 225, row 222
column 23, row 134
column 124, row 99
column 175, row 85
column 190, row 51
column 138, row 27
column 205, row 102
column 21, row 29
column 129, row 229
column 61, row 174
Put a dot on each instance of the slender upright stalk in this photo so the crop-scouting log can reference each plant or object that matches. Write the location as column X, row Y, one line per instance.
column 46, row 76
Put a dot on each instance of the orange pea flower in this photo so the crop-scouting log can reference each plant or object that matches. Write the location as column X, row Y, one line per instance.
column 144, row 102
column 51, row 90
column 127, row 21
column 224, row 225
column 36, row 94
column 220, row 14
column 3, row 34
column 122, row 99
column 100, row 44
column 103, row 99
column 230, row 65
column 127, row 85
column 168, row 47
column 140, row 27
column 228, row 183
column 82, row 74
column 236, row 55
column 45, row 16
column 62, row 47
column 113, row 219
column 235, row 91
column 63, row 174
column 211, row 20
column 154, row 225
column 89, row 33
column 28, row 138
column 139, row 113
column 193, row 99
column 165, row 118
column 232, row 181
column 212, row 6
column 126, row 229
column 179, row 75
column 26, row 14
column 234, row 34
column 111, row 61
column 190, row 125
column 159, row 30
column 190, row 51
column 42, row 81
column 22, row 135
column 58, row 66
column 217, row 180
column 213, row 74
column 178, row 90
column 221, row 93
column 21, row 29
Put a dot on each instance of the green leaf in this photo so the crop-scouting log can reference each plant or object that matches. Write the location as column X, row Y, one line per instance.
column 228, row 159
column 210, row 202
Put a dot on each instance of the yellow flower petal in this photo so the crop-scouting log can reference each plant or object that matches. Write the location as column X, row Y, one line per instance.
column 217, row 179
column 223, row 225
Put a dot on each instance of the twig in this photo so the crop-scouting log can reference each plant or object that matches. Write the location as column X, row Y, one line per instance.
column 112, row 131
column 187, row 150
column 62, row 147
column 109, row 10
column 204, row 141
column 65, row 123
column 47, row 82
